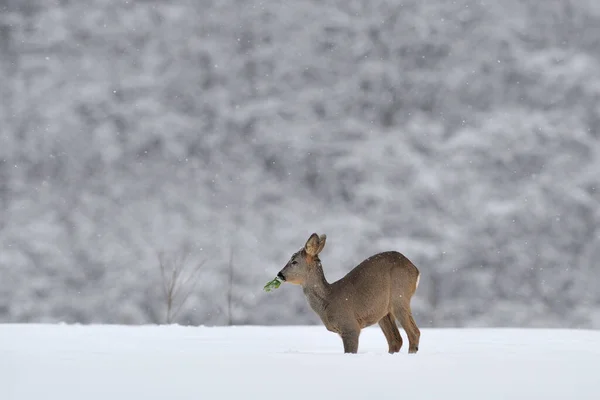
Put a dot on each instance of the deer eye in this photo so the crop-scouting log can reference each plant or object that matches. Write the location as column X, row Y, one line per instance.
column 294, row 262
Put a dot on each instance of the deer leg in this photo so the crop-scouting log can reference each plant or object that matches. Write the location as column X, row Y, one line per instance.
column 407, row 321
column 350, row 340
column 391, row 332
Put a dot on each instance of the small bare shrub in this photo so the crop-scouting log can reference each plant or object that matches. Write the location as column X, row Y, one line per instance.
column 178, row 281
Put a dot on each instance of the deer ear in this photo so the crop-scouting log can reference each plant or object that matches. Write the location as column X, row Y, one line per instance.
column 322, row 240
column 312, row 245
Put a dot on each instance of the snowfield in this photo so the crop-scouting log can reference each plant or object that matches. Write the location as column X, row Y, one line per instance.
column 105, row 362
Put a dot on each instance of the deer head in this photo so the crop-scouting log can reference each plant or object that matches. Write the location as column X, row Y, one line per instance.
column 303, row 262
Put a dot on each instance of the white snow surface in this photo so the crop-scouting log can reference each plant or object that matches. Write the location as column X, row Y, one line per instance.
column 102, row 362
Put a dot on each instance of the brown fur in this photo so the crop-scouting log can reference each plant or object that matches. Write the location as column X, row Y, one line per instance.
column 378, row 290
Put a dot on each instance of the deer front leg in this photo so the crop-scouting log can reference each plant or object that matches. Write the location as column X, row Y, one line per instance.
column 350, row 340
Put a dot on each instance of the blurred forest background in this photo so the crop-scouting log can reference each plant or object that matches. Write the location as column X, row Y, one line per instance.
column 464, row 134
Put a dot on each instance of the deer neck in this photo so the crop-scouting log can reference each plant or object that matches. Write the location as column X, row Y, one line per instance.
column 317, row 290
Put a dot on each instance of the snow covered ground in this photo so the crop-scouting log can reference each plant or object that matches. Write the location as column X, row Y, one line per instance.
column 105, row 362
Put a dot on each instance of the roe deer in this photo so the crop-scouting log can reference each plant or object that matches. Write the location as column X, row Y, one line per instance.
column 379, row 290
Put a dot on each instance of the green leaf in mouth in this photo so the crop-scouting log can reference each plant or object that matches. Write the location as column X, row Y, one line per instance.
column 271, row 285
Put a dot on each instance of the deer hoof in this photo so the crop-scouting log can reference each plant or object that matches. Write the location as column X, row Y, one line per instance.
column 395, row 348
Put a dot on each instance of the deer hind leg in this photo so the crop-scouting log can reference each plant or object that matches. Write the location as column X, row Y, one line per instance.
column 404, row 315
column 391, row 332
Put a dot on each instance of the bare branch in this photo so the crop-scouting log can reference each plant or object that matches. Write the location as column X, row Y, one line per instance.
column 189, row 292
column 174, row 281
column 190, row 277
column 230, row 287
